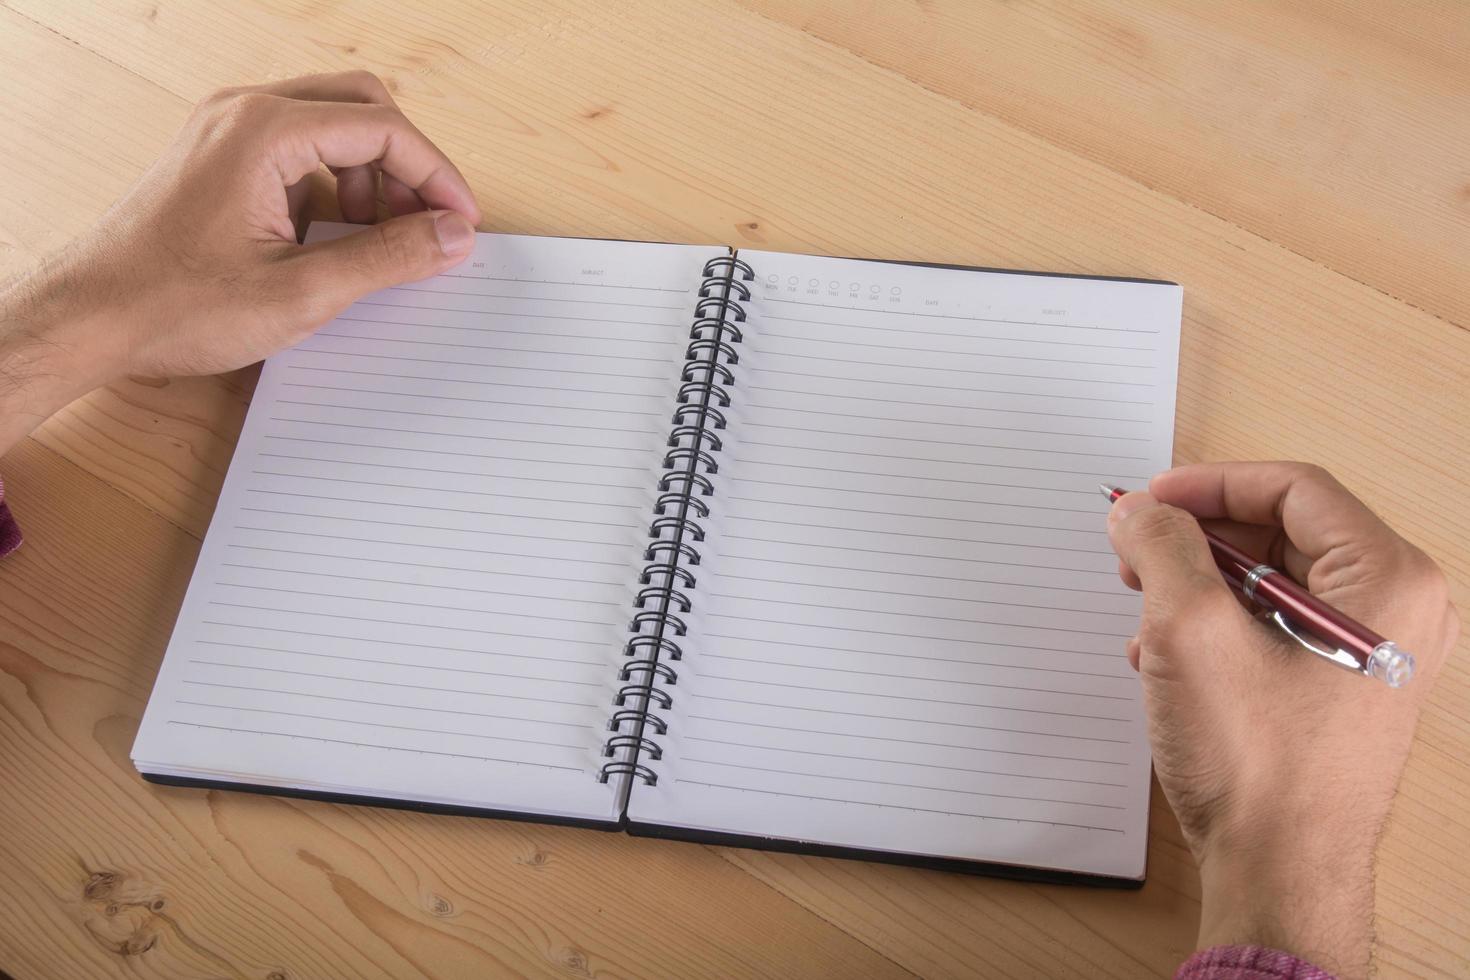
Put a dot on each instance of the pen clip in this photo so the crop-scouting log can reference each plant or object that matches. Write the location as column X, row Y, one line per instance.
column 1339, row 657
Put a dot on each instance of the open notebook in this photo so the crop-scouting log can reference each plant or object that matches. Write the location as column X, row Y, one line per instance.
column 784, row 550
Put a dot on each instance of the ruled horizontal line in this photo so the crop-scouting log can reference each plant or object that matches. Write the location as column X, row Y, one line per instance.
column 945, row 333
column 477, row 651
column 465, row 435
column 972, row 390
column 450, row 510
column 524, row 316
column 885, row 782
column 381, row 465
column 845, row 342
column 378, row 724
column 906, row 554
column 930, row 459
column 901, row 762
column 1093, row 511
column 554, row 282
column 928, row 422
column 395, row 684
column 907, row 697
column 534, row 299
column 492, row 384
column 419, row 544
column 934, row 442
column 378, row 745
column 933, row 721
column 914, row 595
column 927, row 517
column 827, row 648
column 976, row 408
column 414, row 564
column 447, row 452
column 915, row 741
column 471, row 418
column 502, row 330
column 892, row 365
column 476, row 493
column 909, row 534
column 399, row 663
column 895, row 806
column 388, row 704
column 921, row 636
column 1045, row 607
column 431, row 527
column 398, row 622
column 420, row 666
column 908, row 476
column 956, row 316
column 418, row 605
column 911, row 677
column 422, row 585
column 600, row 409
column 512, row 350
column 498, row 367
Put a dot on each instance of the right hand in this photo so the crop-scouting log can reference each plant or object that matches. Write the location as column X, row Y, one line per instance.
column 1280, row 767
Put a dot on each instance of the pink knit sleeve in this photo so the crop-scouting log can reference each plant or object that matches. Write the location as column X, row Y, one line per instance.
column 1247, row 963
column 9, row 530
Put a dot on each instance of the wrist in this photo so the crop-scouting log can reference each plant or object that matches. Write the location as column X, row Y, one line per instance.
column 1307, row 891
column 55, row 345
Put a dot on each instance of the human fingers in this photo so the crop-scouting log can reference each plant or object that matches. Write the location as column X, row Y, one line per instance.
column 357, row 193
column 342, row 86
column 1184, row 596
column 336, row 272
column 1318, row 512
column 306, row 135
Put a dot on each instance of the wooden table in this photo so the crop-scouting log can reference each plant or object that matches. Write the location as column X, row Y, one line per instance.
column 1300, row 167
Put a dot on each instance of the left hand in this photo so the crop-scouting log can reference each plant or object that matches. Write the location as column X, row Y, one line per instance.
column 197, row 269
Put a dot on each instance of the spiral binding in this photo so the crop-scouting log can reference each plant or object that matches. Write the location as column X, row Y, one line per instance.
column 666, row 581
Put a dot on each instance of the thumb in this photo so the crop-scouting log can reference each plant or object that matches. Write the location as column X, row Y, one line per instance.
column 1167, row 550
column 403, row 249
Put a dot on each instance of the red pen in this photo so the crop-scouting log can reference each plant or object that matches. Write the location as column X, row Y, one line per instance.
column 1300, row 614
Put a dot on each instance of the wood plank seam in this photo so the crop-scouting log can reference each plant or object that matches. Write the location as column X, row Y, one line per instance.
column 723, row 854
column 20, row 515
column 90, row 50
column 1071, row 151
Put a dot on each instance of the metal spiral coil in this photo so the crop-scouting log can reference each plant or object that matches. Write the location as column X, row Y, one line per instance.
column 705, row 412
column 692, row 389
column 667, row 586
column 682, row 574
column 654, row 750
column 665, row 501
column 656, row 592
column 629, row 769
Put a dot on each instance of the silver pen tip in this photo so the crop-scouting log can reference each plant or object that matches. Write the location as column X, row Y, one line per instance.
column 1107, row 489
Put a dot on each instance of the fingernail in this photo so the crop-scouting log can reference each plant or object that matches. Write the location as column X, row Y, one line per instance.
column 456, row 234
column 1130, row 503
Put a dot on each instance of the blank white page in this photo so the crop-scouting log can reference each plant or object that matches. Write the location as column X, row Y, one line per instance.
column 417, row 580
column 911, row 631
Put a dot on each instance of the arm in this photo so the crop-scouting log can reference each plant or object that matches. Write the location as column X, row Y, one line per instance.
column 197, row 269
column 1280, row 769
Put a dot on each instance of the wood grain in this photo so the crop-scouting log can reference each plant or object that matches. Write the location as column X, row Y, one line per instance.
column 1300, row 168
column 1259, row 113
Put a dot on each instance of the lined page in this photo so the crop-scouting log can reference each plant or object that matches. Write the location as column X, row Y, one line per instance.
column 417, row 578
column 911, row 631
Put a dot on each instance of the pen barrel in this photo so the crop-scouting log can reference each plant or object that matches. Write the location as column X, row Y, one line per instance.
column 1233, row 563
column 1277, row 592
column 1311, row 614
